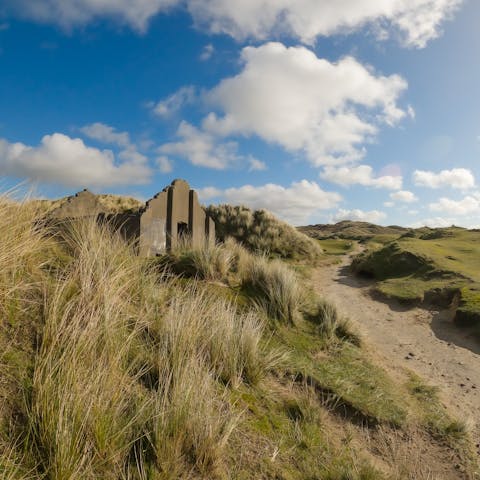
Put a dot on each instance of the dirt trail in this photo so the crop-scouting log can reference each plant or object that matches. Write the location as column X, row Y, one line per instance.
column 425, row 341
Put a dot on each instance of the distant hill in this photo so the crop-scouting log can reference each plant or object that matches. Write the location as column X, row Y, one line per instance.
column 350, row 230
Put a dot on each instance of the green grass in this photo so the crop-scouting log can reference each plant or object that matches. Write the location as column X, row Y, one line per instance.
column 113, row 368
column 347, row 380
column 433, row 414
column 336, row 246
column 432, row 264
column 286, row 425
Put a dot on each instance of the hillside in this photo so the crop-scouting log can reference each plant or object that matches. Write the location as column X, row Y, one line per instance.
column 201, row 364
column 262, row 232
column 350, row 230
column 439, row 266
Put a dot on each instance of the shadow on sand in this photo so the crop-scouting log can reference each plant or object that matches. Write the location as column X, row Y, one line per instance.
column 347, row 277
column 442, row 321
column 443, row 327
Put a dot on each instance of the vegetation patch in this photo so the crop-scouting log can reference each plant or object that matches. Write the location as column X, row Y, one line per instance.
column 336, row 246
column 259, row 231
column 350, row 230
column 112, row 367
column 440, row 267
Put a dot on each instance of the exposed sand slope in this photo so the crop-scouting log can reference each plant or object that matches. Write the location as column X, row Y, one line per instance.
column 424, row 341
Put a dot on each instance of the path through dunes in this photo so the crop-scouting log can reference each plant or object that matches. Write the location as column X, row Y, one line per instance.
column 424, row 341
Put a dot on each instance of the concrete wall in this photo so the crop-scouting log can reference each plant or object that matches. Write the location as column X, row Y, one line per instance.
column 196, row 221
column 82, row 204
column 169, row 215
column 153, row 226
column 177, row 212
column 172, row 214
column 210, row 231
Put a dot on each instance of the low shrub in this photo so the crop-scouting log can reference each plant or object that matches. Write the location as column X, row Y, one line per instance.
column 259, row 231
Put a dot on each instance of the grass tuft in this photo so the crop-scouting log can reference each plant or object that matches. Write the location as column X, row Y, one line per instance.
column 275, row 288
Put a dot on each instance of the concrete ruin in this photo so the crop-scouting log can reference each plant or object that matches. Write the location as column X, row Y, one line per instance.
column 172, row 217
column 82, row 204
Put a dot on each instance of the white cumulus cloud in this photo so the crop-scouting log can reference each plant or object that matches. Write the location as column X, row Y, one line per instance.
column 372, row 216
column 404, row 196
column 173, row 103
column 460, row 178
column 417, row 21
column 71, row 13
column 467, row 205
column 442, row 222
column 295, row 204
column 360, row 175
column 207, row 52
column 164, row 164
column 106, row 134
column 68, row 161
column 202, row 148
column 256, row 165
column 290, row 97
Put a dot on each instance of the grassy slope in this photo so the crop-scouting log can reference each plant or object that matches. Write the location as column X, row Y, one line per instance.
column 261, row 232
column 110, row 369
column 350, row 230
column 443, row 259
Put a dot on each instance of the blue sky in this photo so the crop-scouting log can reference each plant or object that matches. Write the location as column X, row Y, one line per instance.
column 364, row 110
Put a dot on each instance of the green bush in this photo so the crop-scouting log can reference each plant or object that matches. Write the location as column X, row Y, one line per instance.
column 259, row 231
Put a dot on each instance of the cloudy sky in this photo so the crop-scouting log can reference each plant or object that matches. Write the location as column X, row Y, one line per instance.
column 317, row 110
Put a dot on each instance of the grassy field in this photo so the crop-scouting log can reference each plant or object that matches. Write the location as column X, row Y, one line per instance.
column 336, row 246
column 203, row 364
column 441, row 265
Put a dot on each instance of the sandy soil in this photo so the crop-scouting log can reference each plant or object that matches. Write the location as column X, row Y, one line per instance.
column 425, row 341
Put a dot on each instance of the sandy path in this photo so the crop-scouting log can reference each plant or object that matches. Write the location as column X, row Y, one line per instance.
column 424, row 341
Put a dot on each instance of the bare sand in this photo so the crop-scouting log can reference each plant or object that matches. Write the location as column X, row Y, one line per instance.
column 423, row 340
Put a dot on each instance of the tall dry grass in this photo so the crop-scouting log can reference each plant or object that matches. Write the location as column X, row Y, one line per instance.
column 22, row 263
column 331, row 325
column 84, row 409
column 275, row 287
column 272, row 285
column 211, row 263
column 261, row 232
column 132, row 372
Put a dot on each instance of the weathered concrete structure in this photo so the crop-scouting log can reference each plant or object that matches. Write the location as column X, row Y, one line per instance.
column 171, row 217
column 82, row 204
